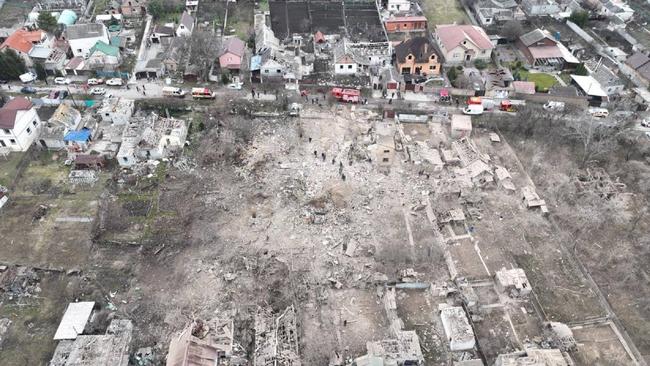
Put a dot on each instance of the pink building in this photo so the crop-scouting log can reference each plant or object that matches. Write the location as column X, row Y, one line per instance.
column 232, row 54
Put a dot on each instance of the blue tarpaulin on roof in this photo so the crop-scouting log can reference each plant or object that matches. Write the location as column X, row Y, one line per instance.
column 82, row 135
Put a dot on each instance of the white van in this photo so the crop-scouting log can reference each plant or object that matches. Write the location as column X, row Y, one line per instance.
column 27, row 77
column 473, row 109
column 599, row 112
column 172, row 91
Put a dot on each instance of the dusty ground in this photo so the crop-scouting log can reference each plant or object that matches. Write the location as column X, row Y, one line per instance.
column 250, row 217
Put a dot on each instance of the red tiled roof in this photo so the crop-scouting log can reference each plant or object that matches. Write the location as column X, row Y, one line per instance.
column 234, row 45
column 9, row 111
column 546, row 52
column 452, row 35
column 23, row 40
column 406, row 19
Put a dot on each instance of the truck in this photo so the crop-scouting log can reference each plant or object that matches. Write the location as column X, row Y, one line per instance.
column 172, row 91
column 27, row 77
column 488, row 104
column 203, row 93
column 346, row 95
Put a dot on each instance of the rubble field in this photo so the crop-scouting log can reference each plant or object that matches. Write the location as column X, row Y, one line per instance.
column 344, row 228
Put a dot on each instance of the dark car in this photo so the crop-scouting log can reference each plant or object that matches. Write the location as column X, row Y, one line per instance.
column 2, row 81
column 28, row 90
column 63, row 94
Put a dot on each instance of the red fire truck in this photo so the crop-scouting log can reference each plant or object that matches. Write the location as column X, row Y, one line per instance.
column 346, row 95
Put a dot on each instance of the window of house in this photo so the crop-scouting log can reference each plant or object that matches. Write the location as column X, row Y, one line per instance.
column 266, row 71
column 2, row 143
column 35, row 123
column 456, row 55
column 386, row 151
column 483, row 52
column 349, row 66
column 432, row 67
column 79, row 50
column 6, row 131
column 340, row 66
column 125, row 159
column 410, row 57
column 385, row 160
column 278, row 71
column 29, row 130
column 13, row 142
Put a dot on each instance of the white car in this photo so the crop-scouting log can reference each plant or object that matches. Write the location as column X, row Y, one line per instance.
column 95, row 81
column 115, row 82
column 235, row 85
column 97, row 91
column 62, row 81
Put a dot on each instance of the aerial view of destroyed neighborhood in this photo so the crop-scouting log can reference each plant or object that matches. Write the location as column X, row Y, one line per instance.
column 324, row 182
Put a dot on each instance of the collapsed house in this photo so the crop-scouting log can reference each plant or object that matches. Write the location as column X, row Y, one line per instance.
column 534, row 357
column 116, row 110
column 457, row 328
column 532, row 201
column 513, row 282
column 276, row 338
column 151, row 137
column 402, row 349
column 64, row 120
column 206, row 344
column 111, row 348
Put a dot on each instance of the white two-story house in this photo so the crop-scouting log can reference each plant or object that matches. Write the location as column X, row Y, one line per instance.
column 463, row 43
column 19, row 124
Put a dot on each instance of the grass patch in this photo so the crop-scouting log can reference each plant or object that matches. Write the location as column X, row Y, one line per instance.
column 9, row 167
column 264, row 5
column 543, row 82
column 444, row 12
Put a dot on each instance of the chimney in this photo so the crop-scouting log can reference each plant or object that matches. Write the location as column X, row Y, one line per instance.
column 426, row 47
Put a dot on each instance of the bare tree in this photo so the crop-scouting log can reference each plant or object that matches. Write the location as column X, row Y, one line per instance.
column 597, row 140
column 204, row 49
column 512, row 29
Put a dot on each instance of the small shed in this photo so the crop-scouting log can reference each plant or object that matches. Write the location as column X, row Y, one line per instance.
column 87, row 162
column 461, row 126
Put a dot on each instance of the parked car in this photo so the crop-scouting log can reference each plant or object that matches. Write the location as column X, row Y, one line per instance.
column 94, row 81
column 235, row 85
column 97, row 91
column 645, row 123
column 27, row 77
column 62, row 81
column 115, row 82
column 473, row 109
column 599, row 112
column 28, row 90
column 554, row 106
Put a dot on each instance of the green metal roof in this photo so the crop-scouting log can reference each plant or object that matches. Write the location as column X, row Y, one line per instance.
column 105, row 49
